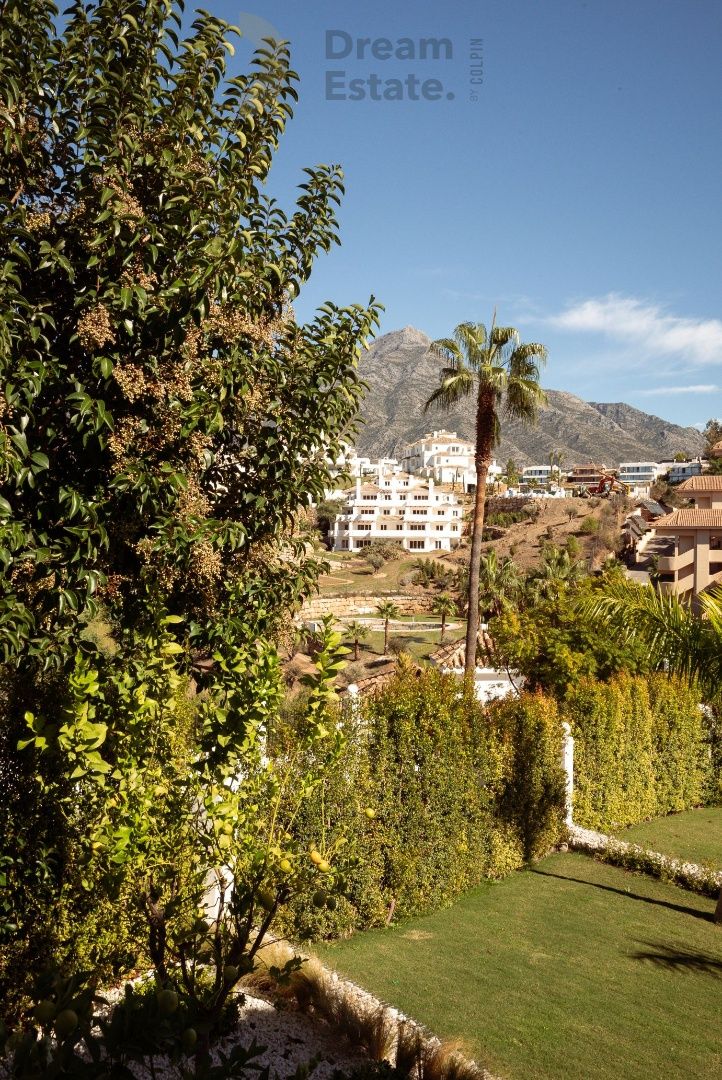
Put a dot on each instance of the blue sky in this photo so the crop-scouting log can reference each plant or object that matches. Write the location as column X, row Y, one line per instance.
column 579, row 192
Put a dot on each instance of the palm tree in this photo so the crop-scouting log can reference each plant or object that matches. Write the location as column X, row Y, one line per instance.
column 556, row 460
column 500, row 582
column 444, row 605
column 501, row 372
column 387, row 610
column 556, row 570
column 357, row 632
column 677, row 638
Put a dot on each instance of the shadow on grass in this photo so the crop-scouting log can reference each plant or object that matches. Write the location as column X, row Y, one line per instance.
column 677, row 960
column 681, row 908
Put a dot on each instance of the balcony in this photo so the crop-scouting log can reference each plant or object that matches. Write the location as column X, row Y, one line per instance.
column 672, row 564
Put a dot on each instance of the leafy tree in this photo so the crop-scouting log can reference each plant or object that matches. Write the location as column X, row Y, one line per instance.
column 388, row 610
column 375, row 560
column 444, row 606
column 501, row 373
column 512, row 473
column 712, row 435
column 549, row 642
column 358, row 632
column 163, row 420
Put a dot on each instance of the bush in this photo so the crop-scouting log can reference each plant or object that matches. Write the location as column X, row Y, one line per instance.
column 385, row 549
column 641, row 750
column 589, row 527
column 434, row 793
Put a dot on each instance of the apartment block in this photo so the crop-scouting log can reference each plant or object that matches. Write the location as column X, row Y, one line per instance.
column 691, row 561
column 445, row 458
column 399, row 507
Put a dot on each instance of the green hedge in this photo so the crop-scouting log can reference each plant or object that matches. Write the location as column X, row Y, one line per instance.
column 460, row 792
column 642, row 749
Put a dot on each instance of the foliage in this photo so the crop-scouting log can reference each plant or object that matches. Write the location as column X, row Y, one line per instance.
column 387, row 610
column 553, row 643
column 500, row 583
column 358, row 632
column 589, row 526
column 675, row 636
column 434, row 793
column 500, row 372
column 641, row 749
column 387, row 549
column 164, row 423
column 444, row 606
column 506, row 518
column 712, row 434
column 375, row 560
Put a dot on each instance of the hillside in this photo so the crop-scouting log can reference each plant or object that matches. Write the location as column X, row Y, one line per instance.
column 401, row 375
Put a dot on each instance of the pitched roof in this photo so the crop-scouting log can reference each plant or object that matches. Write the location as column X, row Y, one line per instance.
column 691, row 519
column 652, row 505
column 706, row 482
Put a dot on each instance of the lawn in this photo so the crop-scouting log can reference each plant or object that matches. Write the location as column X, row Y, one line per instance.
column 695, row 835
column 419, row 644
column 572, row 969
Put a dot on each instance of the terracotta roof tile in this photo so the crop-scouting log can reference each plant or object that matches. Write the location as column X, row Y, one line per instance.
column 690, row 519
column 706, row 482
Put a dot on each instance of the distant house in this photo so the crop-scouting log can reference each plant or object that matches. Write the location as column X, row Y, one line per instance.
column 587, row 475
column 536, row 475
column 679, row 471
column 638, row 474
column 490, row 683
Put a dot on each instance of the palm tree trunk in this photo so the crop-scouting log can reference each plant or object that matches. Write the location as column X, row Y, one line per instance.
column 443, row 628
column 355, row 649
column 484, row 444
column 386, row 637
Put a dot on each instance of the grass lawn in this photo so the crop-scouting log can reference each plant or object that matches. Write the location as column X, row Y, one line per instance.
column 419, row 644
column 572, row 969
column 695, row 835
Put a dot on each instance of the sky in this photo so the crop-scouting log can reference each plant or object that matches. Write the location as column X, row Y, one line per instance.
column 558, row 160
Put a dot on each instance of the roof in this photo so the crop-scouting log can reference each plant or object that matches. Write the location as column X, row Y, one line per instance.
column 691, row 519
column 651, row 505
column 453, row 654
column 706, row 482
column 716, row 450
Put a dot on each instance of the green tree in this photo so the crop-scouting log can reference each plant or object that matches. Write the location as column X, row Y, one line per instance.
column 712, row 435
column 388, row 610
column 375, row 560
column 501, row 373
column 512, row 473
column 556, row 461
column 444, row 606
column 163, row 421
column 358, row 632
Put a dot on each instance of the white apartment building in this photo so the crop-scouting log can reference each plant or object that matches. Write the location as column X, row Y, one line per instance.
column 445, row 458
column 402, row 508
column 537, row 475
column 679, row 471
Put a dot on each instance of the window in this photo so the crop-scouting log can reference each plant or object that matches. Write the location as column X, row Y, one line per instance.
column 417, row 528
column 383, row 526
column 439, row 528
column 363, row 526
column 419, row 498
column 369, row 498
column 386, row 512
column 368, row 513
column 454, row 528
column 454, row 513
column 417, row 545
column 387, row 498
column 418, row 513
column 441, row 512
column 363, row 543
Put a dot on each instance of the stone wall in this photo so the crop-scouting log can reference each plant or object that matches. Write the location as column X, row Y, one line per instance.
column 348, row 607
column 505, row 506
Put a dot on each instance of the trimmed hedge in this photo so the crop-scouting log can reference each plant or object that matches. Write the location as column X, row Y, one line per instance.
column 461, row 792
column 642, row 749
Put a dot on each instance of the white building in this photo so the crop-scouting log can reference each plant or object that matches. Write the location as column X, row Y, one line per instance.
column 639, row 474
column 402, row 508
column 537, row 475
column 678, row 471
column 445, row 458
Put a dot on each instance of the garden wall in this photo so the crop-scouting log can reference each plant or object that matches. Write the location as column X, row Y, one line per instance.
column 348, row 607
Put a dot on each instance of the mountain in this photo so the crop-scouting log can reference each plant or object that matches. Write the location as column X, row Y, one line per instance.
column 401, row 374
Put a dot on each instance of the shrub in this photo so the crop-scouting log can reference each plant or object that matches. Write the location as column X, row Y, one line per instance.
column 434, row 793
column 590, row 526
column 641, row 750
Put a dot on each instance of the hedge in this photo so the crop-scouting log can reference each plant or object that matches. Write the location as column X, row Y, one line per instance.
column 642, row 749
column 460, row 793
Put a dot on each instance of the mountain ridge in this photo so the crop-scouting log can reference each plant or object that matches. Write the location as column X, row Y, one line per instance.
column 401, row 373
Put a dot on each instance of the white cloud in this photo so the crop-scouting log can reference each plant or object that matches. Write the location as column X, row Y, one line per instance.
column 646, row 326
column 699, row 388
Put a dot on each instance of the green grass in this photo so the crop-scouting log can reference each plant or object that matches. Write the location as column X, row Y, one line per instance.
column 419, row 644
column 695, row 835
column 572, row 969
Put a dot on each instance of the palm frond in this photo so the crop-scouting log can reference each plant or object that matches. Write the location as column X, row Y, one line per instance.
column 455, row 385
column 523, row 398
